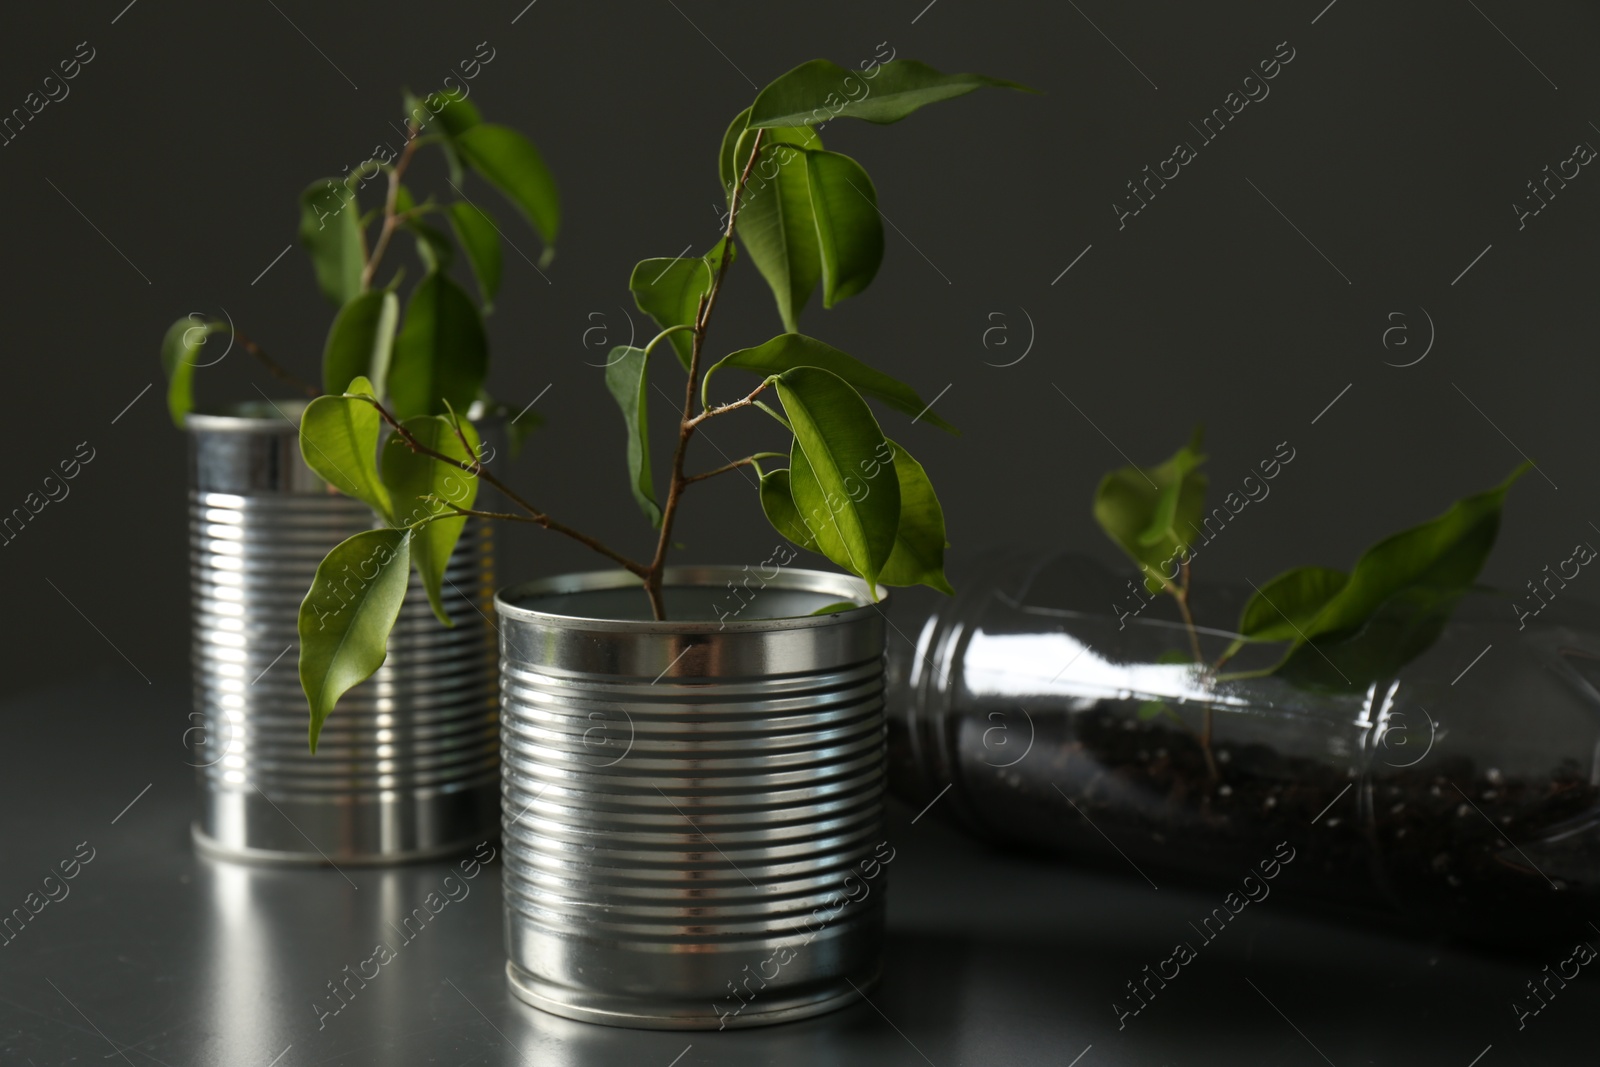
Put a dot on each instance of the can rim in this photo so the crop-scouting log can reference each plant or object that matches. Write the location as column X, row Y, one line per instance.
column 249, row 416
column 801, row 579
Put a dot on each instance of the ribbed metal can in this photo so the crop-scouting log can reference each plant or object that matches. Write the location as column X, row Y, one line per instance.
column 407, row 766
column 692, row 809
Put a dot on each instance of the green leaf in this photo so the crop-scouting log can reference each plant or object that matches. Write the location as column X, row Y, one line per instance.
column 180, row 354
column 777, row 502
column 1399, row 630
column 511, row 164
column 1286, row 606
column 1442, row 556
column 729, row 166
column 776, row 224
column 629, row 386
column 330, row 230
column 453, row 113
column 433, row 247
column 360, row 342
column 919, row 538
column 339, row 440
column 346, row 617
column 849, row 228
column 834, row 609
column 451, row 116
column 442, row 354
column 838, row 452
column 669, row 291
column 1151, row 512
column 1163, row 529
column 413, row 478
column 819, row 91
column 790, row 350
column 476, row 232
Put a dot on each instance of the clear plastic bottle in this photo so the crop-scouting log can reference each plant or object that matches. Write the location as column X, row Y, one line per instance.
column 1461, row 796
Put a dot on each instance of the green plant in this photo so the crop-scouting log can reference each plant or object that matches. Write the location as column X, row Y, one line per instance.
column 1339, row 630
column 437, row 356
column 807, row 218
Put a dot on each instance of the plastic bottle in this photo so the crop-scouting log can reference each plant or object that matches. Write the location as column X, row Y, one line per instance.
column 1051, row 706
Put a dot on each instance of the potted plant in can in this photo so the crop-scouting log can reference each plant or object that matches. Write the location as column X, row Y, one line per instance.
column 693, row 756
column 411, row 769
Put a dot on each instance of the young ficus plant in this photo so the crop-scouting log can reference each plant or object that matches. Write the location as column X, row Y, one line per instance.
column 1339, row 630
column 807, row 218
column 412, row 372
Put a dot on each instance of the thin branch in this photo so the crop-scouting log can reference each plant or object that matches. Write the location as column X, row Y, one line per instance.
column 534, row 515
column 272, row 365
column 722, row 409
column 391, row 220
column 748, row 461
column 686, row 424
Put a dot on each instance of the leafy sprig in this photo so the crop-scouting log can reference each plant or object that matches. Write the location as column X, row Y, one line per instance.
column 438, row 352
column 806, row 218
column 1340, row 630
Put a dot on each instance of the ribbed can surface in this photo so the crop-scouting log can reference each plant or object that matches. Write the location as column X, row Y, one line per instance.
column 692, row 810
column 407, row 764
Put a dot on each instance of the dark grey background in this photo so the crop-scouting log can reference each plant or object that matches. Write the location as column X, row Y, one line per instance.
column 1396, row 142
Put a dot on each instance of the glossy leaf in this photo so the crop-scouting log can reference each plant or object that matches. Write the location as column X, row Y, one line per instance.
column 919, row 537
column 330, row 230
column 339, row 440
column 669, row 291
column 433, row 247
column 346, row 617
column 841, row 471
column 730, row 166
column 1286, row 606
column 1443, row 555
column 1398, row 631
column 820, row 90
column 1152, row 513
column 835, row 608
column 476, row 233
column 775, row 222
column 511, row 164
column 628, row 383
column 442, row 354
column 412, row 479
column 181, row 350
column 449, row 115
column 777, row 502
column 790, row 350
column 360, row 342
column 849, row 228
column 453, row 113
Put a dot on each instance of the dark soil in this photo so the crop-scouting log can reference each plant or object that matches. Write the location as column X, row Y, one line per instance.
column 1444, row 847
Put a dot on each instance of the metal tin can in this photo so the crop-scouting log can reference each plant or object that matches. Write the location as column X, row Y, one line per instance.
column 407, row 767
column 692, row 810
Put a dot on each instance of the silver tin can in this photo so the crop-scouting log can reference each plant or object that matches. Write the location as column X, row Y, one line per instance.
column 407, row 766
column 693, row 809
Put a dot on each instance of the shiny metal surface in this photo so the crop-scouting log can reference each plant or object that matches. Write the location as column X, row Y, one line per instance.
column 407, row 765
column 159, row 956
column 693, row 809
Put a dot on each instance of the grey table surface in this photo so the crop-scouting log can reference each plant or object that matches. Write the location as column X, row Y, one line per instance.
column 156, row 955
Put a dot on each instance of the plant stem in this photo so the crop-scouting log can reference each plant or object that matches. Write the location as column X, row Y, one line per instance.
column 391, row 220
column 748, row 461
column 723, row 409
column 688, row 422
column 272, row 365
column 533, row 514
column 1181, row 595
